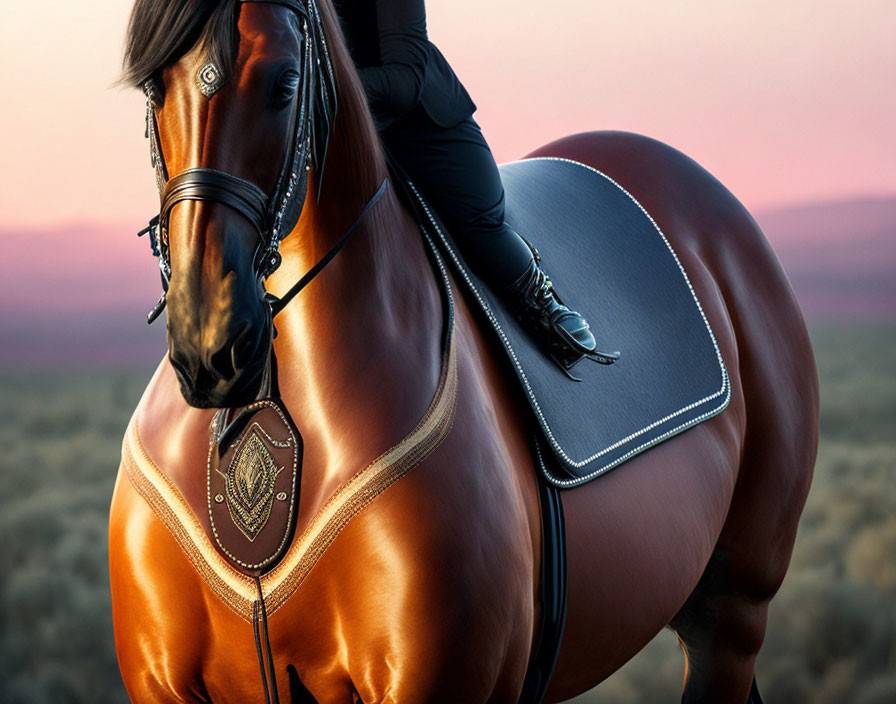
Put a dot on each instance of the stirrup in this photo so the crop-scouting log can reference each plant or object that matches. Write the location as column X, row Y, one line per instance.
column 566, row 358
column 537, row 305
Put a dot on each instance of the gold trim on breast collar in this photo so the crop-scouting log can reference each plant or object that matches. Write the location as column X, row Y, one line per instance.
column 235, row 589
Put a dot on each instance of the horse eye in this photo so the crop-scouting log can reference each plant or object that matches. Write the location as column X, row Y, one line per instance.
column 285, row 87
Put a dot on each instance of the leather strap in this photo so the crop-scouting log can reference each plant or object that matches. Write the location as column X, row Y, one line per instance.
column 210, row 184
column 291, row 4
column 553, row 589
column 260, row 629
column 279, row 304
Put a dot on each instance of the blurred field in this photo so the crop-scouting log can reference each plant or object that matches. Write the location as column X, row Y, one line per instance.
column 832, row 630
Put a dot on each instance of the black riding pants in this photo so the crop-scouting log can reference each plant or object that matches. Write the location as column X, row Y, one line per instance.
column 455, row 171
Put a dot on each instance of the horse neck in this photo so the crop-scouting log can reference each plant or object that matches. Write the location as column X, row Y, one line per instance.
column 358, row 350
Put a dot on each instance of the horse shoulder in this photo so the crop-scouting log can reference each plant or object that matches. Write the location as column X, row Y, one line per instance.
column 429, row 591
column 426, row 594
column 153, row 582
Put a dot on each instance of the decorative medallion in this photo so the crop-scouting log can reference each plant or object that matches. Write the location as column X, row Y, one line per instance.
column 249, row 483
column 252, row 501
column 209, row 79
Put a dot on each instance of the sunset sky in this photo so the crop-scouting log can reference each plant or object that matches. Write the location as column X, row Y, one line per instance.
column 784, row 101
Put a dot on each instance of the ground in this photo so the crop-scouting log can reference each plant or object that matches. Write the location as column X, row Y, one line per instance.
column 832, row 628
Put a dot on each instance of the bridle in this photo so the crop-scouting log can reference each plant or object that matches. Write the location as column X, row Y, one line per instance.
column 273, row 216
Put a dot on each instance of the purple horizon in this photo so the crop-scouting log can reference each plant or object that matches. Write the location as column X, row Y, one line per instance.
column 839, row 256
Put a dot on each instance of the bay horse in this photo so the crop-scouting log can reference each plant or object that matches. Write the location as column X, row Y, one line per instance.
column 429, row 592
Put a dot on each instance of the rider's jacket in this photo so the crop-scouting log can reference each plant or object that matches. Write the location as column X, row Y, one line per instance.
column 399, row 66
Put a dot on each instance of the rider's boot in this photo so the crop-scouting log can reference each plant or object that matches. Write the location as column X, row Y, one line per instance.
column 565, row 332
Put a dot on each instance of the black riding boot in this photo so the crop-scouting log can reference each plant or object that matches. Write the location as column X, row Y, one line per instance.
column 536, row 304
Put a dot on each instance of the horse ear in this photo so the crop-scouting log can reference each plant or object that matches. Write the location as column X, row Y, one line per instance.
column 324, row 102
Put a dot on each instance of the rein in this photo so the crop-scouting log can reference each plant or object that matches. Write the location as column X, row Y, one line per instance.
column 278, row 305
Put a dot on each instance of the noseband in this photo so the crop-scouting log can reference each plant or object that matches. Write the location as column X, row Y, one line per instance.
column 210, row 184
column 272, row 216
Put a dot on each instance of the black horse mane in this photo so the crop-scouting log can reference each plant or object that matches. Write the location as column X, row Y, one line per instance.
column 161, row 31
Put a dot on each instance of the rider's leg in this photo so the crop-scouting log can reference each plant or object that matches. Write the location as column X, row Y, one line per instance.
column 456, row 172
column 454, row 169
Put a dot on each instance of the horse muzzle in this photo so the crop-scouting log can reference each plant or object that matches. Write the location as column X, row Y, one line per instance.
column 226, row 375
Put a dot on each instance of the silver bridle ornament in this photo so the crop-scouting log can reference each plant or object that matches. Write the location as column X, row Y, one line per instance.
column 209, row 79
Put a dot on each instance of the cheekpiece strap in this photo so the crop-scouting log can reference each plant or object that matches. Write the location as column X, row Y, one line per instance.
column 320, row 100
column 152, row 134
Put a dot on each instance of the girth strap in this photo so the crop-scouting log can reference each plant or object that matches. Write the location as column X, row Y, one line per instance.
column 203, row 184
column 553, row 589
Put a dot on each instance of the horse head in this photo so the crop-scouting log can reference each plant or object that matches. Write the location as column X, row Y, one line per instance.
column 238, row 115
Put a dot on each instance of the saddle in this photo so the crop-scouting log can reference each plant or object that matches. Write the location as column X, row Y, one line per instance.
column 610, row 260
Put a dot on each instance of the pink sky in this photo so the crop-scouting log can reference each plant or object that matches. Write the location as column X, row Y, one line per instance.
column 784, row 101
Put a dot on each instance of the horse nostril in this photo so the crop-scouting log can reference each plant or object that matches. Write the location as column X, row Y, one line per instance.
column 180, row 366
column 220, row 364
column 244, row 348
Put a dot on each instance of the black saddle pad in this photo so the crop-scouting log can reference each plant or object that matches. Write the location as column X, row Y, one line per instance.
column 610, row 261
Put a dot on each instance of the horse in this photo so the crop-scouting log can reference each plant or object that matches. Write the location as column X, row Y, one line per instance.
column 429, row 591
